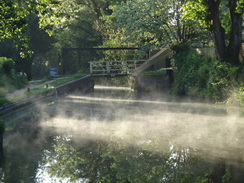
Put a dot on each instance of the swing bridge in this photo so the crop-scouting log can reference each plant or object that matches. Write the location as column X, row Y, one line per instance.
column 114, row 68
column 126, row 67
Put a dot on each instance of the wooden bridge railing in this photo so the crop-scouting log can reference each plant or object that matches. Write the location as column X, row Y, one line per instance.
column 100, row 68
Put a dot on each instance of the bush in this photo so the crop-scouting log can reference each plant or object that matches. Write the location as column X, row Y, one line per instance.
column 9, row 79
column 3, row 100
column 6, row 66
column 192, row 71
column 222, row 78
column 238, row 96
column 200, row 76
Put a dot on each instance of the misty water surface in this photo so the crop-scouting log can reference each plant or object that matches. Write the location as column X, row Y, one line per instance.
column 108, row 136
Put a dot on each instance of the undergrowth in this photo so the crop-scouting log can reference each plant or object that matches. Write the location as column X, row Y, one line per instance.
column 205, row 77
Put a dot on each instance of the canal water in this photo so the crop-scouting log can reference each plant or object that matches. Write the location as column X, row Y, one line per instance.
column 110, row 136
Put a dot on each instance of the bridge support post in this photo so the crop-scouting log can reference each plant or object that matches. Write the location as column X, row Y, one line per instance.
column 107, row 67
column 125, row 69
column 90, row 67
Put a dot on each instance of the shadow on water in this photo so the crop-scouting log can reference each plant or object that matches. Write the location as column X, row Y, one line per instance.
column 107, row 136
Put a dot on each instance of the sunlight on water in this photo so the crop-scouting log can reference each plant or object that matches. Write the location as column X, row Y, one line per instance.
column 108, row 133
column 100, row 87
column 192, row 125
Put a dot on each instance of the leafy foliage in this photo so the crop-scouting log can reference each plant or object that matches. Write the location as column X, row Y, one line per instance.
column 222, row 78
column 223, row 19
column 156, row 24
column 240, row 96
column 6, row 66
column 9, row 79
column 190, row 76
column 198, row 75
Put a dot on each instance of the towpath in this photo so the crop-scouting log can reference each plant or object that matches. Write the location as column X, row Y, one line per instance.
column 31, row 85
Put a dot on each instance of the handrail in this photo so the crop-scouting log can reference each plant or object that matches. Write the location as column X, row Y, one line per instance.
column 114, row 67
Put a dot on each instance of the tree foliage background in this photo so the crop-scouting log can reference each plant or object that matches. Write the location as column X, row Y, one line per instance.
column 33, row 33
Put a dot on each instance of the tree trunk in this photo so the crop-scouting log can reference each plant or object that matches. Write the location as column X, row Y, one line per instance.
column 231, row 54
column 235, row 34
column 217, row 29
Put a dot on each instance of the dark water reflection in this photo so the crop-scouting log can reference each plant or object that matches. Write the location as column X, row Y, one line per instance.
column 108, row 137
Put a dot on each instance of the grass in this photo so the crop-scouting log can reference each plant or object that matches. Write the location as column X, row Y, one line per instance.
column 41, row 90
column 65, row 80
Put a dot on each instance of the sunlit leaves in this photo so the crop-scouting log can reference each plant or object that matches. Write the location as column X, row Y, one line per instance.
column 143, row 26
column 15, row 20
column 156, row 24
column 240, row 6
column 197, row 11
column 13, row 15
column 223, row 19
column 12, row 18
column 239, row 94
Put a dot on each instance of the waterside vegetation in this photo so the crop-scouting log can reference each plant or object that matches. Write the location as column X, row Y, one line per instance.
column 41, row 87
column 201, row 76
column 33, row 35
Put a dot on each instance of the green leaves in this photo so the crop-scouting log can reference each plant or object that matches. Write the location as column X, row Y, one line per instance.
column 11, row 19
column 240, row 6
column 156, row 24
column 142, row 27
column 201, row 76
column 196, row 11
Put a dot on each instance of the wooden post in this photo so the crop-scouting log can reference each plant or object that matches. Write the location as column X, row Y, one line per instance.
column 135, row 64
column 125, row 69
column 90, row 67
column 107, row 67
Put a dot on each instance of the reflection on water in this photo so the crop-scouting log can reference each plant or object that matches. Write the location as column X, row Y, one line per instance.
column 107, row 137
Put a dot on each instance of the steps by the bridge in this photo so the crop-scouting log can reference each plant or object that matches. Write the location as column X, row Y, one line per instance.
column 159, row 56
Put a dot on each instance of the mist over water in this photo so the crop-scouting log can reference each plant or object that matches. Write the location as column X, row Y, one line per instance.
column 110, row 130
column 104, row 115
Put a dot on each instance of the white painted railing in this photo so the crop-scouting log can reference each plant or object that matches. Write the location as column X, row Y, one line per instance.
column 114, row 67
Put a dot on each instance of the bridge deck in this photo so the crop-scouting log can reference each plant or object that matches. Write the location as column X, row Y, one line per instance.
column 113, row 68
column 126, row 67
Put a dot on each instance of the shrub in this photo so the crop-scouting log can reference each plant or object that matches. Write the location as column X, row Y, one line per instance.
column 201, row 76
column 236, row 98
column 9, row 79
column 222, row 78
column 6, row 65
column 3, row 100
column 192, row 71
column 240, row 96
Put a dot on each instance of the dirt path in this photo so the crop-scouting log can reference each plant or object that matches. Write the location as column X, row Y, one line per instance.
column 31, row 86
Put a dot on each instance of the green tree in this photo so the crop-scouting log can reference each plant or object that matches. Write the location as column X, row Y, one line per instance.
column 223, row 18
column 12, row 18
column 153, row 24
column 14, row 12
column 76, row 30
column 15, row 26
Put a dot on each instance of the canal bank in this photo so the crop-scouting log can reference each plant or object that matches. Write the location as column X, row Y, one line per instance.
column 13, row 109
